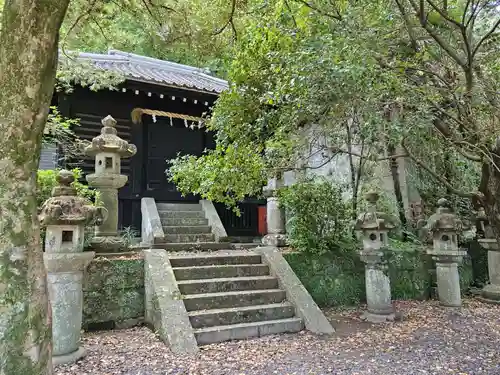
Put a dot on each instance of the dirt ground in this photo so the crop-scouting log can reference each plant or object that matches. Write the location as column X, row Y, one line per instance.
column 429, row 340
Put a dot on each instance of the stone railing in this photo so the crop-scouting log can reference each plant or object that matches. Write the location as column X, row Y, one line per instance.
column 152, row 230
column 214, row 220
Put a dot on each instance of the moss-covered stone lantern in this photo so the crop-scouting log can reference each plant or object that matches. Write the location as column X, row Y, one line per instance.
column 374, row 227
column 444, row 226
column 108, row 149
column 65, row 215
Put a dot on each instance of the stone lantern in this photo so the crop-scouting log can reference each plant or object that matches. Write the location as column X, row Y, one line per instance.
column 275, row 215
column 444, row 227
column 108, row 149
column 65, row 215
column 491, row 291
column 374, row 227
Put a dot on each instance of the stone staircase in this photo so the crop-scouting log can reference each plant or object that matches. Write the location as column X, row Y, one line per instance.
column 229, row 296
column 184, row 223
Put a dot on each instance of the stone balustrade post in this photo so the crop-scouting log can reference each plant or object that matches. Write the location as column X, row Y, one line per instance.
column 444, row 226
column 276, row 227
column 108, row 149
column 65, row 215
column 374, row 227
column 491, row 291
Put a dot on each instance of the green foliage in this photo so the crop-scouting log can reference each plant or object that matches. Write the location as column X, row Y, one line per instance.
column 331, row 280
column 73, row 72
column 59, row 130
column 374, row 65
column 46, row 180
column 224, row 176
column 129, row 236
column 186, row 31
column 58, row 127
column 318, row 217
column 409, row 270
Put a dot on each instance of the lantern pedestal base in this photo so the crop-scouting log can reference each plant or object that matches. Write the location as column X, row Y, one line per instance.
column 491, row 294
column 107, row 244
column 276, row 240
column 378, row 318
column 69, row 358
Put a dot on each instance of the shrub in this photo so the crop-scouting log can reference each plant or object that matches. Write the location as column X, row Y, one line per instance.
column 319, row 219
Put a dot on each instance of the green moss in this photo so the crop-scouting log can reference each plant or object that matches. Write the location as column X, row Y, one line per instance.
column 331, row 280
column 113, row 306
column 105, row 273
column 113, row 290
column 335, row 281
column 466, row 275
column 409, row 274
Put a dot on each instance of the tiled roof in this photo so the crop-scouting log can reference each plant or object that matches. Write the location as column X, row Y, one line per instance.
column 154, row 71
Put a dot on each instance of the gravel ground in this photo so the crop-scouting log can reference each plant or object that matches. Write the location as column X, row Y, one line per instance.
column 429, row 340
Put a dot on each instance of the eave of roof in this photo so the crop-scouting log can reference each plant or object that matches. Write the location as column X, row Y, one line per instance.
column 154, row 71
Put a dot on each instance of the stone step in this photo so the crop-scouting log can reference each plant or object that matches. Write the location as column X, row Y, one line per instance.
column 183, row 222
column 233, row 299
column 227, row 284
column 181, row 215
column 188, row 246
column 179, row 238
column 242, row 331
column 195, row 229
column 237, row 257
column 219, row 271
column 179, row 207
column 244, row 314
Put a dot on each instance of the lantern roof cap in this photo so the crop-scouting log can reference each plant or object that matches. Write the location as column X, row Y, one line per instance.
column 372, row 219
column 109, row 141
column 64, row 207
column 443, row 219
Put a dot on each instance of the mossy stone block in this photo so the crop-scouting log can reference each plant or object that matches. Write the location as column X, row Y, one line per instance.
column 103, row 274
column 112, row 305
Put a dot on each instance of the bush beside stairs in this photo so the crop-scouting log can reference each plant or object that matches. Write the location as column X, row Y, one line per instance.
column 198, row 299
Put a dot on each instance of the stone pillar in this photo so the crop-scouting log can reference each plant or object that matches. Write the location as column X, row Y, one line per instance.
column 374, row 227
column 65, row 215
column 108, row 149
column 275, row 216
column 444, row 226
column 491, row 291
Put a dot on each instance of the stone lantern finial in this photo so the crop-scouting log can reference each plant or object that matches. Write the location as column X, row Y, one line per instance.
column 374, row 227
column 108, row 122
column 444, row 226
column 372, row 198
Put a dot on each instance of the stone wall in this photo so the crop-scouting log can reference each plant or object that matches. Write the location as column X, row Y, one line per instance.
column 335, row 281
column 113, row 293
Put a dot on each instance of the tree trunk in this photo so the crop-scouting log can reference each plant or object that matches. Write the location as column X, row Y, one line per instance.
column 490, row 187
column 28, row 59
column 394, row 167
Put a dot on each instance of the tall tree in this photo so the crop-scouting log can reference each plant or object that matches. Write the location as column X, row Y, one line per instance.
column 28, row 59
column 302, row 63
